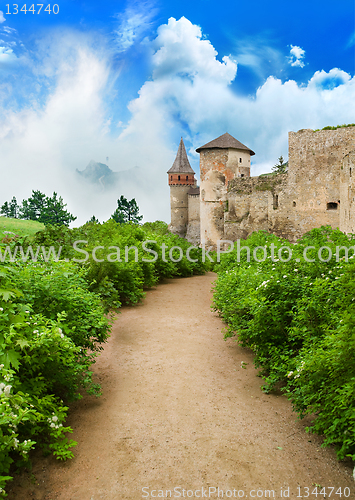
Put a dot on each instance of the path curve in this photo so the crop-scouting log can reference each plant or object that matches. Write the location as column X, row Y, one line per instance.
column 179, row 411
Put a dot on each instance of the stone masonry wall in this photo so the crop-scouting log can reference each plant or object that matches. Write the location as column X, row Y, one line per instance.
column 217, row 168
column 317, row 190
column 179, row 209
column 193, row 227
column 347, row 194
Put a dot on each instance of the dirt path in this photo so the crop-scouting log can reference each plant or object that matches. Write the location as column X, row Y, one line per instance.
column 179, row 411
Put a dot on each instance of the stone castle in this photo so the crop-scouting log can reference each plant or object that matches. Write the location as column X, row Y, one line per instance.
column 318, row 189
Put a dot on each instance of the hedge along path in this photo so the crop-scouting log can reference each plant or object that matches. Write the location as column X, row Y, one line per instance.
column 178, row 410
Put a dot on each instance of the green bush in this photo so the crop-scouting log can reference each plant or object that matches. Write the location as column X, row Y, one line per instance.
column 121, row 277
column 297, row 317
column 44, row 357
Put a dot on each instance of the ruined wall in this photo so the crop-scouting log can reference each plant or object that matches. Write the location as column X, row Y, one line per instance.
column 347, row 194
column 217, row 168
column 193, row 227
column 251, row 203
column 316, row 190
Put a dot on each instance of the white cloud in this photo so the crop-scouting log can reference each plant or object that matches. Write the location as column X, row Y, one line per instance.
column 181, row 50
column 191, row 90
column 9, row 30
column 7, row 55
column 297, row 56
column 133, row 23
column 2, row 19
column 258, row 54
column 43, row 144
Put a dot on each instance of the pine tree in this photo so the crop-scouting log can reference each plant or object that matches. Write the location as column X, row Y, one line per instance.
column 13, row 208
column 54, row 212
column 5, row 209
column 126, row 211
column 33, row 207
column 280, row 167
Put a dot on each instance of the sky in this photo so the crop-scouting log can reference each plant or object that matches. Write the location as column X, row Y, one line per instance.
column 119, row 82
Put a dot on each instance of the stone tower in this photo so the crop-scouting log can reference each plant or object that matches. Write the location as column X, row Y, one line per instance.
column 180, row 177
column 221, row 160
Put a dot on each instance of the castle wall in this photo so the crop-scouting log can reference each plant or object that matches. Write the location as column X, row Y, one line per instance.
column 252, row 204
column 193, row 227
column 347, row 194
column 217, row 168
column 179, row 209
column 316, row 190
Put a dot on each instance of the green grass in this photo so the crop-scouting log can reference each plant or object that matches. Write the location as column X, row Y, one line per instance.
column 19, row 227
column 329, row 127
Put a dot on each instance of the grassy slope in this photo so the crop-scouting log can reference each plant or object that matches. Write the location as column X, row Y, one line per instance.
column 20, row 227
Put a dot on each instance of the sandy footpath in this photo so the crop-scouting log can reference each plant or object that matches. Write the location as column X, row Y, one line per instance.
column 179, row 411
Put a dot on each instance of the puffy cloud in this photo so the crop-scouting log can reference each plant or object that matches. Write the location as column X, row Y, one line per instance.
column 2, row 19
column 297, row 56
column 190, row 91
column 182, row 51
column 7, row 55
column 68, row 123
column 330, row 80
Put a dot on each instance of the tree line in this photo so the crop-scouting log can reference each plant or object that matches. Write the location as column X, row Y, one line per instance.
column 52, row 210
column 39, row 207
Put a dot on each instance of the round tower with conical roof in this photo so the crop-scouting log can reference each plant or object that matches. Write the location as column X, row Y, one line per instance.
column 180, row 177
column 221, row 160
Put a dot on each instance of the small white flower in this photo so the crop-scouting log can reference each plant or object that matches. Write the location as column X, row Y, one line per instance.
column 285, row 276
column 1, row 367
column 62, row 335
column 7, row 390
column 55, row 418
column 1, row 309
column 52, row 425
column 35, row 331
column 290, row 374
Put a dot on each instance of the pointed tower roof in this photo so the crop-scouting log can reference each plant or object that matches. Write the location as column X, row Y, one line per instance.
column 225, row 141
column 181, row 164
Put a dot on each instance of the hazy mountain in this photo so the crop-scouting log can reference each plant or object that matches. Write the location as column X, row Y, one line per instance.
column 105, row 178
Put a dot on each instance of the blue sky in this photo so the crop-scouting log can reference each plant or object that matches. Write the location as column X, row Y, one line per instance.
column 125, row 80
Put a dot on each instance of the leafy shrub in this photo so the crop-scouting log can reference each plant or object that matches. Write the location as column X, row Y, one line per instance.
column 121, row 277
column 297, row 317
column 43, row 359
